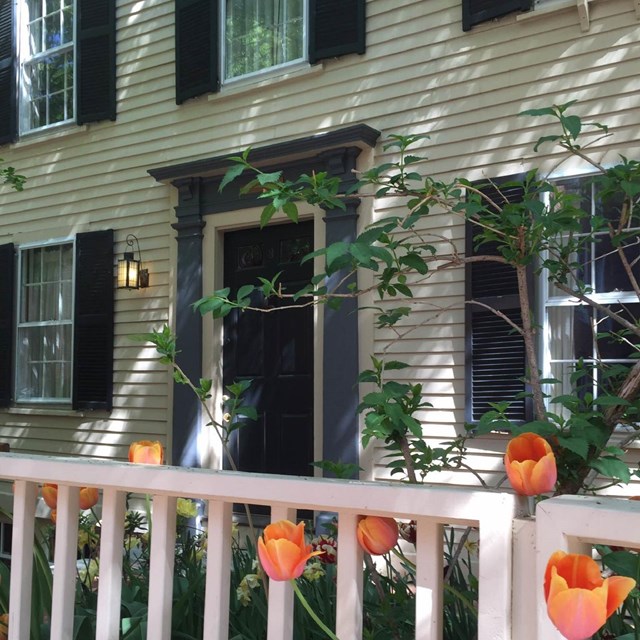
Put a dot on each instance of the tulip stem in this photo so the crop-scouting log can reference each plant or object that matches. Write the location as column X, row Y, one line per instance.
column 311, row 612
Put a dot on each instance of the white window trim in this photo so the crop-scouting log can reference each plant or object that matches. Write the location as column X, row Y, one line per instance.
column 23, row 95
column 275, row 70
column 18, row 300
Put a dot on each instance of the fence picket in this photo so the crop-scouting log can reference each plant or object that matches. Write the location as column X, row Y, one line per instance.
column 163, row 543
column 65, row 567
column 24, row 510
column 110, row 587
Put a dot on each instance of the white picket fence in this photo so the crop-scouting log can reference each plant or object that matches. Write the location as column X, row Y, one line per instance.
column 508, row 573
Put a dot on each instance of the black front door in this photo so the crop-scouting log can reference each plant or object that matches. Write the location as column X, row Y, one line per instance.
column 274, row 350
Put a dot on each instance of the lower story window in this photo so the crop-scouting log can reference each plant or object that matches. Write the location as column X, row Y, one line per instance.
column 45, row 324
column 577, row 335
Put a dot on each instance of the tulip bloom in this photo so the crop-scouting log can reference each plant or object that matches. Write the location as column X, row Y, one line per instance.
column 377, row 535
column 530, row 465
column 282, row 550
column 579, row 600
column 146, row 452
column 4, row 626
column 50, row 494
column 88, row 497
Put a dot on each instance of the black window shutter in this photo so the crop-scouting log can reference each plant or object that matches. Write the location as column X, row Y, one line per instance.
column 495, row 354
column 8, row 94
column 93, row 322
column 477, row 11
column 336, row 28
column 96, row 60
column 196, row 48
column 7, row 263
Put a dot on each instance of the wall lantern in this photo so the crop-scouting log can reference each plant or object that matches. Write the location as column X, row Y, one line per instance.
column 130, row 273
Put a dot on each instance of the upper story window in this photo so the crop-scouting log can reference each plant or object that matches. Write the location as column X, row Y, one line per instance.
column 46, row 63
column 221, row 40
column 262, row 34
column 45, row 324
column 57, row 64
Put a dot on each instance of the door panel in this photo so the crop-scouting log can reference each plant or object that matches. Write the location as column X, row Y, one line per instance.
column 274, row 350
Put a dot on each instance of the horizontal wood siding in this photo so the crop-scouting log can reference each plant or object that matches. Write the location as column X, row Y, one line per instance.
column 420, row 74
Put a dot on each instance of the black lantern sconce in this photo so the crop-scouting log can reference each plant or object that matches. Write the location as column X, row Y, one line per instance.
column 130, row 272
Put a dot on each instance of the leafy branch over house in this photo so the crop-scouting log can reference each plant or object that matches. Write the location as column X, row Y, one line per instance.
column 523, row 227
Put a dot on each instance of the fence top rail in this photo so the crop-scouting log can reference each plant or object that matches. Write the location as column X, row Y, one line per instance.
column 453, row 505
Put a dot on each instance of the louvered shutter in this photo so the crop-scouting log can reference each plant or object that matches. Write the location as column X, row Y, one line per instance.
column 8, row 96
column 7, row 271
column 93, row 322
column 196, row 48
column 336, row 28
column 495, row 353
column 96, row 60
column 477, row 11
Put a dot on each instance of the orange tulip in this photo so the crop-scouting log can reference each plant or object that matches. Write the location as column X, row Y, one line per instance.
column 50, row 495
column 88, row 497
column 530, row 465
column 53, row 515
column 377, row 535
column 579, row 600
column 4, row 626
column 146, row 452
column 282, row 550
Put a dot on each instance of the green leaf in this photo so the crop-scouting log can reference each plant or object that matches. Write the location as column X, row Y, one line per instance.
column 573, row 125
column 232, row 173
column 291, row 211
column 266, row 215
column 611, row 468
column 414, row 261
column 623, row 563
column 245, row 291
column 266, row 178
column 335, row 251
column 610, row 401
column 544, row 111
column 577, row 445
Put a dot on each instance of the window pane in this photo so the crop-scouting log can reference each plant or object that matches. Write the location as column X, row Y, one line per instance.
column 67, row 25
column 618, row 346
column 45, row 367
column 44, row 326
column 51, row 264
column 610, row 271
column 260, row 34
column 570, row 333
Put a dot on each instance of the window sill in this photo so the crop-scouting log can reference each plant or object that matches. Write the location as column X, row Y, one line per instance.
column 36, row 137
column 45, row 411
column 582, row 7
column 241, row 87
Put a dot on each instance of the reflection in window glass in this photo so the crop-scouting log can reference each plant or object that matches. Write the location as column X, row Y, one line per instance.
column 47, row 63
column 262, row 34
column 45, row 339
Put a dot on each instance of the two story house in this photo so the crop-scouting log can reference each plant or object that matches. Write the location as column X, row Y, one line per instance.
column 123, row 115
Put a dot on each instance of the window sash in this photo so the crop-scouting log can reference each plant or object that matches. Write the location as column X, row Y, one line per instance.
column 570, row 326
column 47, row 69
column 249, row 48
column 44, row 362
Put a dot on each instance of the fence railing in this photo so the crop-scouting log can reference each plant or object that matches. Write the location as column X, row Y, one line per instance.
column 507, row 590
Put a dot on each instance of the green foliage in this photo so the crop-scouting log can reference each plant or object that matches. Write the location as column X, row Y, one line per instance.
column 9, row 176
